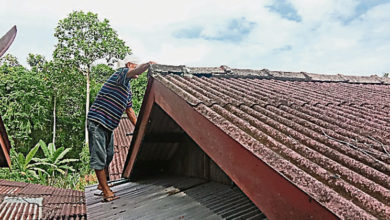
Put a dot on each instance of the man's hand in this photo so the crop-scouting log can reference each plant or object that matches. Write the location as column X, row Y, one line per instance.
column 136, row 70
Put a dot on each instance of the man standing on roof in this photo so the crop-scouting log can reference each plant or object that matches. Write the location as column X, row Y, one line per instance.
column 112, row 100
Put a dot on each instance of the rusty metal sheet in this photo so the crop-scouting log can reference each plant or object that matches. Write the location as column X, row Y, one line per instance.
column 172, row 197
column 33, row 201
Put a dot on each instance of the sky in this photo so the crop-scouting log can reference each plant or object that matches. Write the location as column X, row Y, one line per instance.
column 350, row 37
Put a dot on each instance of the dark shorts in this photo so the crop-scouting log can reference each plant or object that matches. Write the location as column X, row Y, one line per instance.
column 101, row 145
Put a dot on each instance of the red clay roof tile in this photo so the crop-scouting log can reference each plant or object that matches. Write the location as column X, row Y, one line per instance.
column 122, row 141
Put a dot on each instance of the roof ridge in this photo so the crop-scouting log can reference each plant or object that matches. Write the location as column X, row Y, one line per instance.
column 227, row 72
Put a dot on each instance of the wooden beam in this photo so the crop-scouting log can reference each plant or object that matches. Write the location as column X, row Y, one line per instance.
column 140, row 128
column 5, row 144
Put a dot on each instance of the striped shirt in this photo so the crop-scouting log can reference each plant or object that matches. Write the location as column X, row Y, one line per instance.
column 111, row 101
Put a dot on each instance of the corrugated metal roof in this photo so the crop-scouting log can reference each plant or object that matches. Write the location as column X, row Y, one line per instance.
column 329, row 135
column 172, row 198
column 122, row 140
column 32, row 201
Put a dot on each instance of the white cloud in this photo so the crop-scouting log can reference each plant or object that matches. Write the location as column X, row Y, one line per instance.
column 322, row 42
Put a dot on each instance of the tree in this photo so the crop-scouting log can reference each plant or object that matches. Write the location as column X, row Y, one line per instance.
column 386, row 75
column 9, row 60
column 37, row 62
column 101, row 72
column 84, row 39
column 24, row 105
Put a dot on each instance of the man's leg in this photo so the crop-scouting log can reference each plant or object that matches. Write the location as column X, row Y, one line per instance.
column 106, row 172
column 99, row 138
column 110, row 153
column 110, row 156
column 101, row 176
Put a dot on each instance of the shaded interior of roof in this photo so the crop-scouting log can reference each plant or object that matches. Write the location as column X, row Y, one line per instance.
column 167, row 150
column 3, row 161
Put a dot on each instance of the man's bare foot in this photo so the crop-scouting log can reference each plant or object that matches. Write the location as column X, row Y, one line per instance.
column 101, row 188
column 109, row 196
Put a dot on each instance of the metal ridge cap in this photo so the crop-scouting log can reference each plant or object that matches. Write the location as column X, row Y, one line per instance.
column 227, row 72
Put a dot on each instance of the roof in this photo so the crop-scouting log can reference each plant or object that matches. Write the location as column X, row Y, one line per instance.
column 32, row 201
column 122, row 140
column 317, row 144
column 5, row 160
column 173, row 198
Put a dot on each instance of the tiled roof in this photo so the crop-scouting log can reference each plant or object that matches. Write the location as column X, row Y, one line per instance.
column 327, row 134
column 20, row 200
column 122, row 141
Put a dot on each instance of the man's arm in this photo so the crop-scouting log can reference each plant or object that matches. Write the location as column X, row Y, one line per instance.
column 131, row 114
column 133, row 73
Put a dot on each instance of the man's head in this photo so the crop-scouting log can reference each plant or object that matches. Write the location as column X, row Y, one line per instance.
column 130, row 61
column 131, row 65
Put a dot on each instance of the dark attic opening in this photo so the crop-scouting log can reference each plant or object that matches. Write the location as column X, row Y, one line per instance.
column 168, row 155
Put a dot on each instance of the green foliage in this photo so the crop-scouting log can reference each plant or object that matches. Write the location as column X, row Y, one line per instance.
column 37, row 62
column 85, row 169
column 53, row 160
column 138, row 87
column 83, row 39
column 67, row 88
column 52, row 168
column 386, row 75
column 24, row 105
column 23, row 169
column 9, row 61
column 54, row 91
column 101, row 72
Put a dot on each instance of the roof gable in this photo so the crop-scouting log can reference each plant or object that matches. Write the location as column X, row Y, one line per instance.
column 323, row 137
column 5, row 160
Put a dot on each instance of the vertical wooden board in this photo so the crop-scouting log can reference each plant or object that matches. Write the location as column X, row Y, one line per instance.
column 217, row 175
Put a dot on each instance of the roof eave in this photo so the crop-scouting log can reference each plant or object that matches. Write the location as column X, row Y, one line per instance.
column 5, row 144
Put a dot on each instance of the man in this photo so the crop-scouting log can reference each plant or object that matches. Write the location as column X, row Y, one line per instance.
column 112, row 100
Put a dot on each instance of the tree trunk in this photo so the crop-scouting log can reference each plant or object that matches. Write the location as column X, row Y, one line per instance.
column 54, row 120
column 87, row 108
